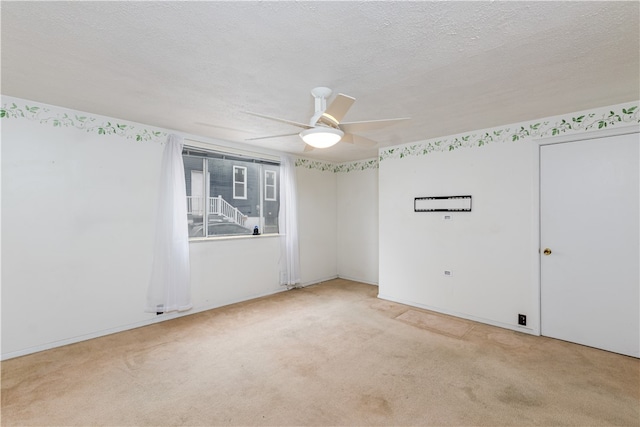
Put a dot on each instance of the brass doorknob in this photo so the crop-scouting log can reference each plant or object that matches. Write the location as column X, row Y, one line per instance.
column 547, row 251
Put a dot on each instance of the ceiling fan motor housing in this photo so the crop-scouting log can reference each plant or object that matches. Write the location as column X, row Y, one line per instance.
column 320, row 95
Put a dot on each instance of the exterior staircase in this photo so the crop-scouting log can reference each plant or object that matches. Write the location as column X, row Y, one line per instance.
column 219, row 209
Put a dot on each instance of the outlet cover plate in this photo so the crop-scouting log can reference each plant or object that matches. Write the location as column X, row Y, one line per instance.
column 522, row 319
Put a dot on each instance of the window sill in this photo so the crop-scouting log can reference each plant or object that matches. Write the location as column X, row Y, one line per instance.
column 242, row 237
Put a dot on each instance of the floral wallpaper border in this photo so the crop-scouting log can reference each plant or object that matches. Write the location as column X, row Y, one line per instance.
column 357, row 166
column 342, row 167
column 80, row 121
column 605, row 118
column 314, row 164
column 587, row 121
column 45, row 115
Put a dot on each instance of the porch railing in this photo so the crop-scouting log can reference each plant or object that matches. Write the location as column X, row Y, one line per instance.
column 217, row 206
column 195, row 206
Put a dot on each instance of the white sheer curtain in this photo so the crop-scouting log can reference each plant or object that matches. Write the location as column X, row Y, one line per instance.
column 170, row 287
column 288, row 224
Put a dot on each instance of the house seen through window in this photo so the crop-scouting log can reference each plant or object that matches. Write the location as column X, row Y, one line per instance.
column 232, row 194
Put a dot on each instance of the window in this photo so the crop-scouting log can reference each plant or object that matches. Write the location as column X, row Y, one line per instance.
column 270, row 185
column 239, row 182
column 230, row 193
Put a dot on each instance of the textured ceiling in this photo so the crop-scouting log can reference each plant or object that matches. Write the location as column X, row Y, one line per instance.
column 196, row 67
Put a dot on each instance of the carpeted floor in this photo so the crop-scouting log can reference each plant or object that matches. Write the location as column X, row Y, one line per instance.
column 328, row 354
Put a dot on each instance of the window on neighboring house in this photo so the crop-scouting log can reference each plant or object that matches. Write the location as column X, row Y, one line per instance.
column 270, row 185
column 239, row 182
column 230, row 193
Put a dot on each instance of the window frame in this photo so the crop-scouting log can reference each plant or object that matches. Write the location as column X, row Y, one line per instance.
column 267, row 185
column 253, row 187
column 244, row 183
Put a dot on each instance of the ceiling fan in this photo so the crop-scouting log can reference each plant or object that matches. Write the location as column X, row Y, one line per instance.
column 326, row 128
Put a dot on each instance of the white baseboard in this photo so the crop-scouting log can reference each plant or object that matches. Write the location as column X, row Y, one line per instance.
column 355, row 279
column 152, row 320
column 134, row 325
column 315, row 282
column 516, row 328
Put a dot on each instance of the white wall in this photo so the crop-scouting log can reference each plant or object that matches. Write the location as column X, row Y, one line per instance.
column 487, row 249
column 357, row 212
column 233, row 270
column 492, row 251
column 78, row 218
column 317, row 224
column 77, row 221
column 78, row 212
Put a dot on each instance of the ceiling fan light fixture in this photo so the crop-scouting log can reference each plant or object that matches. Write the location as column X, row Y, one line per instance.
column 321, row 137
column 332, row 120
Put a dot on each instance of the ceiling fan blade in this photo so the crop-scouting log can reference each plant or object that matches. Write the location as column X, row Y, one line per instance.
column 271, row 136
column 338, row 108
column 370, row 125
column 307, row 148
column 358, row 140
column 289, row 122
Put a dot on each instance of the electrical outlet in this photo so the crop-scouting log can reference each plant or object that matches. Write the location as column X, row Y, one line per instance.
column 448, row 273
column 522, row 319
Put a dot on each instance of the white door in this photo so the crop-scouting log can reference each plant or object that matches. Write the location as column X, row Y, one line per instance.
column 197, row 193
column 589, row 216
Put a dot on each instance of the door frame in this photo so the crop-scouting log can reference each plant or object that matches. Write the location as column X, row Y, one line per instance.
column 535, row 198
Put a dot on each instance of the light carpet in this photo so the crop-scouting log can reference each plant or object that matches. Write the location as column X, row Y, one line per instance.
column 328, row 354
